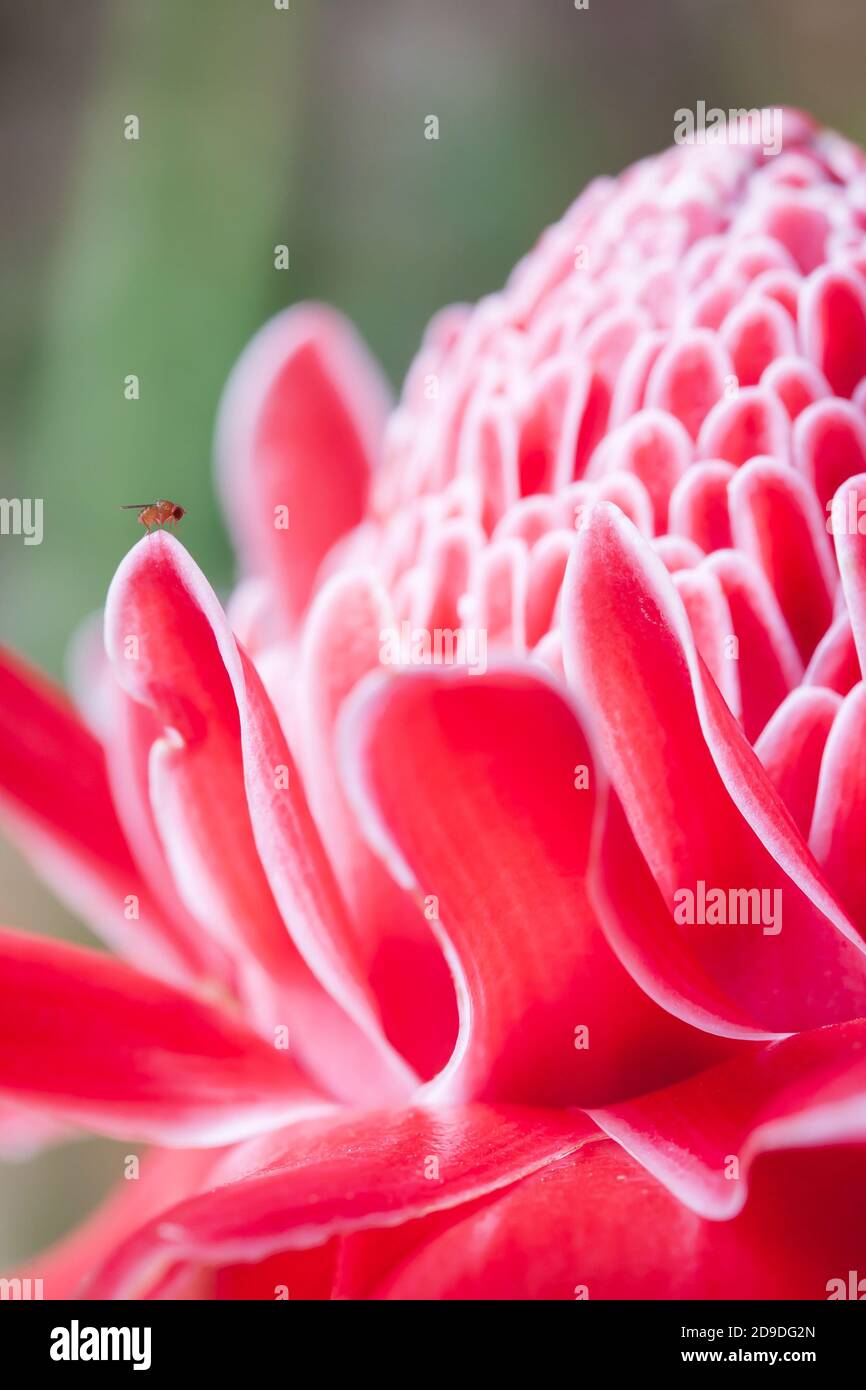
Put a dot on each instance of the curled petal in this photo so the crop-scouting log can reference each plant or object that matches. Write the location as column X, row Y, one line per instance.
column 233, row 817
column 481, row 792
column 707, row 818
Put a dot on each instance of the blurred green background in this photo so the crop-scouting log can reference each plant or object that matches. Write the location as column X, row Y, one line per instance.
column 261, row 126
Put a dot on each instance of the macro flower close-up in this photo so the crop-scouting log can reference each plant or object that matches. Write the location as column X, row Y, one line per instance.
column 479, row 879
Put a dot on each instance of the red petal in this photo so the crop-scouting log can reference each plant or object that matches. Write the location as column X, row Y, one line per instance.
column 58, row 807
column 98, row 1044
column 839, row 825
column 701, row 807
column 299, row 1275
column 378, row 1169
column 131, row 731
column 300, row 425
column 597, row 1226
column 804, row 1091
column 343, row 638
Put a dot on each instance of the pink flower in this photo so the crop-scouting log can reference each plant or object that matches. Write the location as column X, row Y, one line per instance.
column 488, row 885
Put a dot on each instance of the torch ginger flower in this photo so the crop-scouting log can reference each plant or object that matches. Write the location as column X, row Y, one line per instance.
column 402, row 997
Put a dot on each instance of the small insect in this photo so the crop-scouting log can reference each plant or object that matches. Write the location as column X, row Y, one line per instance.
column 158, row 513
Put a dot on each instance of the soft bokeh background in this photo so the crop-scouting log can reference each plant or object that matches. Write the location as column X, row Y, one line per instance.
column 305, row 127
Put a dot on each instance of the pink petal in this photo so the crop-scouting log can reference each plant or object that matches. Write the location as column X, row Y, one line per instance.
column 499, row 587
column 699, row 505
column 800, row 226
column 300, row 425
column 776, row 519
column 709, row 617
column 768, row 662
column 547, row 563
column 834, row 662
column 798, row 384
column 833, row 319
column 677, row 554
column 755, row 333
column 655, row 447
column 791, row 746
column 752, row 422
column 95, row 1043
column 488, row 453
column 829, row 445
column 131, row 732
column 689, row 377
column 628, row 396
column 848, row 520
